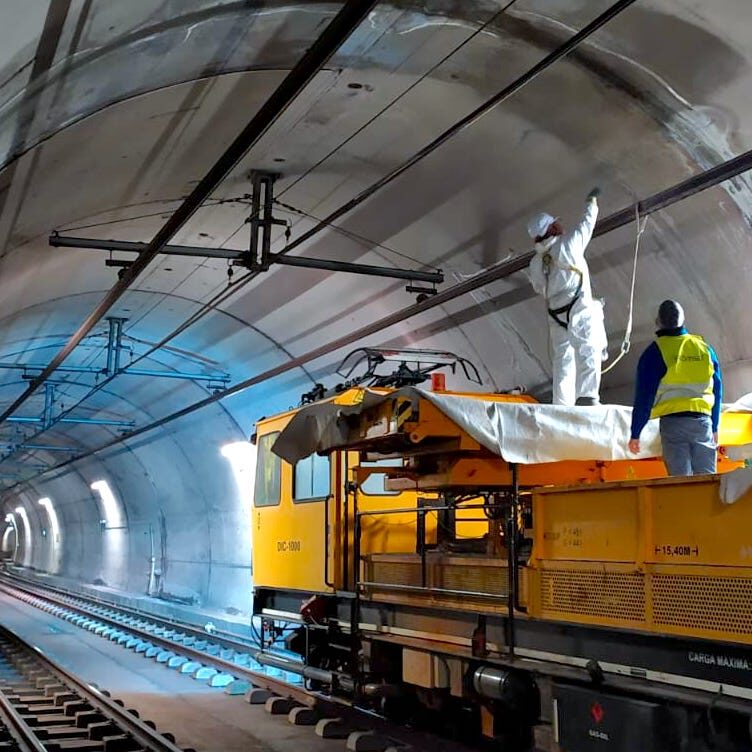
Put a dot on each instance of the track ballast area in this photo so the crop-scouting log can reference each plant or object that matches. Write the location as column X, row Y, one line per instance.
column 223, row 660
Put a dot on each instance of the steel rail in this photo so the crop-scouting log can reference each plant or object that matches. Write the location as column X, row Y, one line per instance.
column 227, row 639
column 258, row 679
column 695, row 697
column 329, row 706
column 336, row 33
column 148, row 737
column 355, row 717
column 20, row 730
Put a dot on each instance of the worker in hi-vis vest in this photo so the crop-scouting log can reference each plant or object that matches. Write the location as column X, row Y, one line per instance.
column 559, row 272
column 679, row 381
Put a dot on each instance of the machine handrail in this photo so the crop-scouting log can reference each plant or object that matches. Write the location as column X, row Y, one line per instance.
column 512, row 596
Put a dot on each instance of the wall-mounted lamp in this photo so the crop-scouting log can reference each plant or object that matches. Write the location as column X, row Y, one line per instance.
column 112, row 515
column 242, row 458
column 21, row 512
column 46, row 502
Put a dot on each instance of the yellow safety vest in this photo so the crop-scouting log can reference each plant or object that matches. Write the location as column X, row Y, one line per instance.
column 688, row 383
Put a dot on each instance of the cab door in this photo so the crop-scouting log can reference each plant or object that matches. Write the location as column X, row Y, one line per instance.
column 289, row 525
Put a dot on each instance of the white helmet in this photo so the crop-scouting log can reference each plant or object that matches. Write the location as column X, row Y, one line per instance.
column 538, row 226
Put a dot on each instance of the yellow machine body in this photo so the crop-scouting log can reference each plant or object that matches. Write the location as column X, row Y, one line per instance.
column 664, row 556
column 298, row 544
column 467, row 574
column 614, row 543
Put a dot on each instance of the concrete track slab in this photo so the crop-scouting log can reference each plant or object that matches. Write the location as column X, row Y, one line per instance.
column 198, row 715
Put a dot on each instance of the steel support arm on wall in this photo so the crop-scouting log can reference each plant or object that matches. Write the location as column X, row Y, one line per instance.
column 66, row 241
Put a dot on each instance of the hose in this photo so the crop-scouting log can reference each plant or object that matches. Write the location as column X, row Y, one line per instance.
column 626, row 342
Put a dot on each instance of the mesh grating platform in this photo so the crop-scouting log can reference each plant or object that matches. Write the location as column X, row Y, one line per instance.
column 695, row 602
column 445, row 573
column 395, row 573
column 617, row 596
column 481, row 580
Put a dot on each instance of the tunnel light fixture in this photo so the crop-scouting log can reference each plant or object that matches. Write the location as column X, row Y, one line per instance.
column 242, row 458
column 112, row 515
column 10, row 518
column 46, row 502
column 21, row 512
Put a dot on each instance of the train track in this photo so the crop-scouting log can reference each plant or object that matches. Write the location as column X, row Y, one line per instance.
column 226, row 661
column 45, row 708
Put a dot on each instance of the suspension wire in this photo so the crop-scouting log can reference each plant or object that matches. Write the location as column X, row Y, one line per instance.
column 482, row 28
column 362, row 239
column 208, row 203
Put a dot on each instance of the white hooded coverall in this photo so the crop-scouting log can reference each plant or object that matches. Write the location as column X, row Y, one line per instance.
column 578, row 350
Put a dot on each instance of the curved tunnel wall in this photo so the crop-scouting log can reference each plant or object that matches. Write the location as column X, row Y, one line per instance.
column 180, row 500
column 178, row 504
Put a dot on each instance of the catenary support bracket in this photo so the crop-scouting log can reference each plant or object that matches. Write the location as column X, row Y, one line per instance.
column 246, row 258
column 343, row 24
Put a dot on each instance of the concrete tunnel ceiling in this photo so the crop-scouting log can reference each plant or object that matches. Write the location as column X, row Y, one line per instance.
column 110, row 113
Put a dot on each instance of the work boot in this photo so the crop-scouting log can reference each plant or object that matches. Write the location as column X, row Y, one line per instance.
column 587, row 401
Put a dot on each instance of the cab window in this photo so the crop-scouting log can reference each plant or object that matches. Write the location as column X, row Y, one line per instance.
column 268, row 471
column 374, row 484
column 312, row 479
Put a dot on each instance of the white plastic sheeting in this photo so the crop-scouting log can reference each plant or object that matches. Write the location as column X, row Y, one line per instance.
column 518, row 432
column 734, row 485
column 531, row 433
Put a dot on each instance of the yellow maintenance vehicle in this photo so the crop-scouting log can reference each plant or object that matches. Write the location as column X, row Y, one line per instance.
column 502, row 569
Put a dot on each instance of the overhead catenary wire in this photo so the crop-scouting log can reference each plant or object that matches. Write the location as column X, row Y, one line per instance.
column 443, row 138
column 235, row 286
column 347, row 19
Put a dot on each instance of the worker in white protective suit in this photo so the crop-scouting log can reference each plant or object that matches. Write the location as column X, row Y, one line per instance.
column 559, row 272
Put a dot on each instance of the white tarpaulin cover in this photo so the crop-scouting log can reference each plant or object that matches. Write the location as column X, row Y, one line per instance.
column 518, row 432
column 735, row 484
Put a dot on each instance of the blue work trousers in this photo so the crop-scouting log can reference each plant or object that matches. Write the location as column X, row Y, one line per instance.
column 688, row 446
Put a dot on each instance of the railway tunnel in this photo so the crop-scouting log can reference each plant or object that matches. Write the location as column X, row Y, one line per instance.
column 125, row 465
